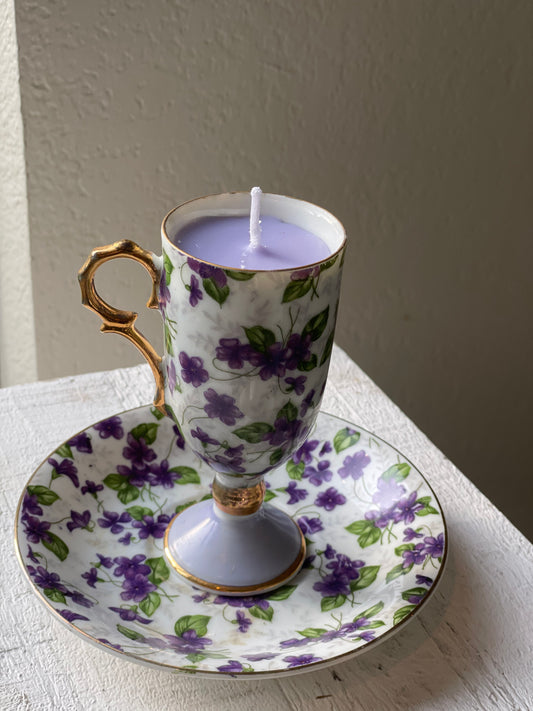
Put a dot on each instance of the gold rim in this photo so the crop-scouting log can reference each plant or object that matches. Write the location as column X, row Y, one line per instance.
column 330, row 257
column 263, row 587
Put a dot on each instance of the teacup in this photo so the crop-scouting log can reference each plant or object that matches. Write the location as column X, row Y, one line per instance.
column 246, row 352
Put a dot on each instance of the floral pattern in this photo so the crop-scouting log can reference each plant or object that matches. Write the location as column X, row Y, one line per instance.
column 90, row 537
column 246, row 357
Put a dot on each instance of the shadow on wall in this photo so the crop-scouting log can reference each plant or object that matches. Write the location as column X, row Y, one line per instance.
column 410, row 122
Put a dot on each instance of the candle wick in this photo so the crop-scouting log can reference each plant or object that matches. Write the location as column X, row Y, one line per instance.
column 255, row 222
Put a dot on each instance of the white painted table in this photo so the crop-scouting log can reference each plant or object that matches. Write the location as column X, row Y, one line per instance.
column 469, row 648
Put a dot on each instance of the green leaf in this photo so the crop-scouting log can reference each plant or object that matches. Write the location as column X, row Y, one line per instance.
column 55, row 474
column 288, row 411
column 269, row 495
column 198, row 623
column 45, row 496
column 329, row 263
column 239, row 276
column 160, row 571
column 397, row 571
column 258, row 612
column 216, row 292
column 139, row 512
column 260, row 338
column 296, row 289
column 169, row 267
column 316, row 325
column 327, row 348
column 367, row 575
column 404, row 547
column 181, row 507
column 426, row 511
column 304, row 366
column 295, row 471
column 196, row 657
column 359, row 527
column 398, row 472
column 254, row 433
column 312, row 632
column 330, row 603
column 373, row 625
column 115, row 481
column 150, row 603
column 64, row 451
column 127, row 493
column 188, row 475
column 345, row 438
column 55, row 545
column 282, row 593
column 402, row 613
column 369, row 537
column 276, row 456
column 130, row 634
column 371, row 611
column 156, row 413
column 419, row 592
column 55, row 595
column 168, row 340
column 147, row 430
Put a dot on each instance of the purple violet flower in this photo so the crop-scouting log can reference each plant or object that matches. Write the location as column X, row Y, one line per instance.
column 207, row 271
column 423, row 580
column 138, row 452
column 128, row 615
column 344, row 567
column 381, row 519
column 71, row 616
column 180, row 442
column 30, row 505
column 259, row 657
column 271, row 361
column 161, row 475
column 108, row 644
column 78, row 520
column 114, row 521
column 330, row 498
column 353, row 465
column 150, row 527
column 129, row 567
column 105, row 561
column 135, row 476
column 310, row 525
column 81, row 442
column 295, row 494
column 296, row 384
column 91, row 577
column 243, row 621
column 221, row 406
column 388, row 494
column 192, row 370
column 171, row 376
column 409, row 534
column 415, row 556
column 406, row 509
column 46, row 579
column 434, row 546
column 326, row 448
column 91, row 488
column 247, row 602
column 298, row 350
column 232, row 351
column 330, row 552
column 66, row 468
column 80, row 599
column 232, row 667
column 112, row 427
column 204, row 438
column 136, row 588
column 318, row 475
column 126, row 539
column 31, row 555
column 195, row 293
column 303, row 454
column 35, row 530
column 164, row 291
column 301, row 660
column 307, row 402
column 188, row 643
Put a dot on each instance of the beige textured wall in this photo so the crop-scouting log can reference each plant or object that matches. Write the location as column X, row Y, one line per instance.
column 410, row 120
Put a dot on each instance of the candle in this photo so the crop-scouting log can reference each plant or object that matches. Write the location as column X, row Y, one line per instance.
column 245, row 242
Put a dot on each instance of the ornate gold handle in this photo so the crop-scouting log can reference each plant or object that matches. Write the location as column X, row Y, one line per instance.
column 117, row 320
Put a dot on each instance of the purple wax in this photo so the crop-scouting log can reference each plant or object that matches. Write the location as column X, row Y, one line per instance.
column 226, row 241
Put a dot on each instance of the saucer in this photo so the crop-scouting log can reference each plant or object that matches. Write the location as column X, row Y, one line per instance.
column 89, row 536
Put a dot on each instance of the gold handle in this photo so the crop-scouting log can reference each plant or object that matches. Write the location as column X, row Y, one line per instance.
column 117, row 320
